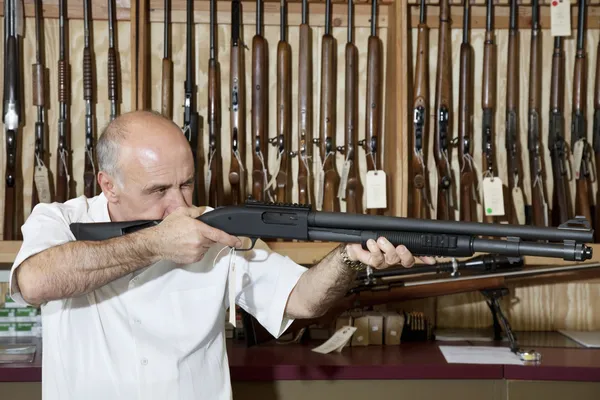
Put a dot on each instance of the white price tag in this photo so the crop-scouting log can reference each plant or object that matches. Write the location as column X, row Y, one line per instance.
column 493, row 197
column 519, row 203
column 376, row 187
column 578, row 156
column 337, row 341
column 42, row 184
column 344, row 180
column 545, row 213
column 560, row 17
column 320, row 188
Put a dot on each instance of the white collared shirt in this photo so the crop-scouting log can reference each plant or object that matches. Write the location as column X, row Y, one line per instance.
column 157, row 333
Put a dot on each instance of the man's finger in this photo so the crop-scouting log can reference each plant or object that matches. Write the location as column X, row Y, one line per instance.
column 192, row 212
column 219, row 236
column 390, row 253
column 375, row 257
column 406, row 257
column 428, row 260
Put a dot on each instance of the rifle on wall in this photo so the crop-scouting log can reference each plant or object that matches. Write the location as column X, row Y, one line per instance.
column 443, row 110
column 468, row 211
column 260, row 104
column 350, row 187
column 579, row 143
column 536, row 160
column 237, row 176
column 488, row 102
column 42, row 189
column 561, row 208
column 167, row 67
column 63, row 162
column 516, row 208
column 113, row 91
column 191, row 119
column 281, row 178
column 89, row 173
column 329, row 179
column 374, row 109
column 419, row 182
column 215, row 161
column 11, row 112
column 305, row 111
column 596, row 134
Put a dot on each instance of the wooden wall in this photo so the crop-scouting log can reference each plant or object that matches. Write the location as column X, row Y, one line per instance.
column 541, row 307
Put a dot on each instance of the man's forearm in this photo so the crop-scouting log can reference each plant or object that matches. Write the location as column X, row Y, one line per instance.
column 77, row 268
column 320, row 287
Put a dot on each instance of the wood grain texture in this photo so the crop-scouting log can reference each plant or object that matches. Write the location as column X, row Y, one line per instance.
column 544, row 306
column 26, row 140
column 271, row 33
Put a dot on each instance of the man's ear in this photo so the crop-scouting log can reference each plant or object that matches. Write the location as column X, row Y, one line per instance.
column 109, row 187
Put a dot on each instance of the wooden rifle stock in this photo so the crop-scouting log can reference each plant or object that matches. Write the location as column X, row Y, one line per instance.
column 259, row 110
column 561, row 208
column 419, row 183
column 443, row 111
column 63, row 160
column 167, row 67
column 467, row 211
column 327, row 132
column 237, row 176
column 488, row 102
column 215, row 161
column 305, row 111
column 353, row 192
column 373, row 128
column 579, row 124
column 283, row 179
column 536, row 170
column 596, row 134
column 512, row 122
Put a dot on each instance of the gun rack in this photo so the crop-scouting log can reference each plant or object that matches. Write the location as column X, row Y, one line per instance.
column 139, row 28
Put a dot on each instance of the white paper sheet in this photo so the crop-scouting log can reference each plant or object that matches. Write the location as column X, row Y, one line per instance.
column 480, row 355
column 587, row 339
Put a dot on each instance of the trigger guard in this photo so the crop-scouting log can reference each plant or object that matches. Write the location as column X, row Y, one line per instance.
column 253, row 240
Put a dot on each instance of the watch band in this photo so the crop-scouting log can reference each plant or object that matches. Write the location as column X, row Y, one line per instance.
column 353, row 265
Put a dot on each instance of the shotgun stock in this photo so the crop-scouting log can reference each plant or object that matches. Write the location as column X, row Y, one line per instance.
column 215, row 161
column 350, row 188
column 237, row 87
column 305, row 111
column 443, row 110
column 373, row 112
column 468, row 210
column 534, row 145
column 329, row 183
column 579, row 143
column 260, row 104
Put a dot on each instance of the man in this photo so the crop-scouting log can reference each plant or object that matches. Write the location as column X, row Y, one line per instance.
column 142, row 316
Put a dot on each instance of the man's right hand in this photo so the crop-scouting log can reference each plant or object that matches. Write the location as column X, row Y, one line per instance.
column 184, row 239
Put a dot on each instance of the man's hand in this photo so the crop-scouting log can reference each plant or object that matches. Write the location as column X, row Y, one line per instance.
column 183, row 239
column 382, row 254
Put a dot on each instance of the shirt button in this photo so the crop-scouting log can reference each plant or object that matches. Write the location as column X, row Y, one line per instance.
column 144, row 361
column 137, row 321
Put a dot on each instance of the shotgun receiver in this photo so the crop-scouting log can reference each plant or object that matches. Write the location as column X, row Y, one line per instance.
column 63, row 161
column 237, row 87
column 11, row 111
column 422, row 237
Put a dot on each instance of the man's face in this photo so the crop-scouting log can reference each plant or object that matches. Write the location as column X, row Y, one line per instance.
column 157, row 177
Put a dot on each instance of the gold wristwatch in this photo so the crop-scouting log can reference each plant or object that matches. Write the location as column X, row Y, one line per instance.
column 353, row 265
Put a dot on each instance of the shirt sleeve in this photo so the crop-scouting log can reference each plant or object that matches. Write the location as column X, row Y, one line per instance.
column 264, row 283
column 46, row 227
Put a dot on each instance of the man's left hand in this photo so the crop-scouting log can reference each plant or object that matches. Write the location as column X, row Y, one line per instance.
column 382, row 254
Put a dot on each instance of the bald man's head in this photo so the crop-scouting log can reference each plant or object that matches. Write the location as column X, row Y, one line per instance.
column 135, row 134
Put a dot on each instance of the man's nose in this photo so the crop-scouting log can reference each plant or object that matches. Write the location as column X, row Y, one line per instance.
column 175, row 200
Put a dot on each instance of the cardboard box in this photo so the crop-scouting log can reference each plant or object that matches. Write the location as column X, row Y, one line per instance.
column 361, row 336
column 375, row 328
column 393, row 323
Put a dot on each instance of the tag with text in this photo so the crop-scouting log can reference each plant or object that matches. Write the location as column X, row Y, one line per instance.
column 376, row 189
column 42, row 184
column 519, row 204
column 493, row 197
column 578, row 156
column 337, row 341
column 560, row 17
column 344, row 179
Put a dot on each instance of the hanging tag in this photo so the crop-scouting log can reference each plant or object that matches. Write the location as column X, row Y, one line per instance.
column 344, row 180
column 337, row 341
column 519, row 203
column 578, row 156
column 42, row 184
column 493, row 198
column 320, row 189
column 376, row 189
column 207, row 181
column 560, row 17
column 545, row 207
column 231, row 288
